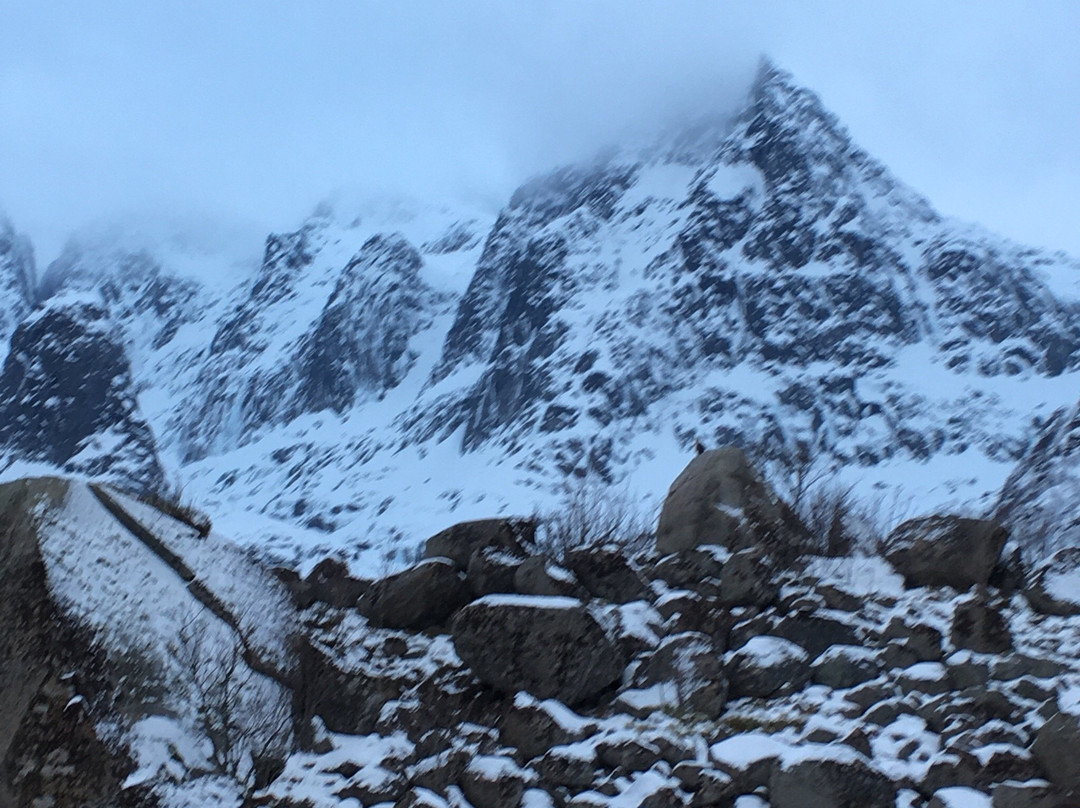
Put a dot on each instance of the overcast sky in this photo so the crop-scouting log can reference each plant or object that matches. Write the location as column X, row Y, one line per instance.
column 248, row 113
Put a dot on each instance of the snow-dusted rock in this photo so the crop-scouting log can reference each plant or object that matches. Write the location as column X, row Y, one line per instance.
column 747, row 579
column 605, row 573
column 460, row 541
column 767, row 667
column 68, row 399
column 540, row 576
column 534, row 726
column 830, row 778
column 689, row 669
column 1054, row 587
column 550, row 647
column 845, row 666
column 1055, row 748
column 946, row 550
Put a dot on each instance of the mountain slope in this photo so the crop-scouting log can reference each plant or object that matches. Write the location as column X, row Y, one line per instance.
column 756, row 279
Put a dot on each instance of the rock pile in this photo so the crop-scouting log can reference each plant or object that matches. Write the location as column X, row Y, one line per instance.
column 705, row 673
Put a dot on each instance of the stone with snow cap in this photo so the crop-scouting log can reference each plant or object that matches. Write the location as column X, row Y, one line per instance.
column 494, row 781
column 767, row 667
column 551, row 647
column 533, row 726
column 720, row 498
column 458, row 542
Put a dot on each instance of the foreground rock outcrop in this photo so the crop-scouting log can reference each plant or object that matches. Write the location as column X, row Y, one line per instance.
column 707, row 677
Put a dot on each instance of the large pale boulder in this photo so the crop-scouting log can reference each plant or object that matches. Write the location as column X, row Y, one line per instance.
column 946, row 550
column 551, row 647
column 720, row 498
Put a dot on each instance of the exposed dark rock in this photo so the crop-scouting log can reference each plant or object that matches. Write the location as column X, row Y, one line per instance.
column 422, row 596
column 830, row 782
column 844, row 666
column 747, row 579
column 1055, row 748
column 605, row 573
column 946, row 551
column 767, row 667
column 67, row 397
column 539, row 576
column 460, row 541
column 815, row 632
column 549, row 647
column 980, row 627
column 492, row 570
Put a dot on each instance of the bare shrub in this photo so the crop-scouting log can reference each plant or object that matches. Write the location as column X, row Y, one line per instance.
column 591, row 514
column 244, row 715
column 838, row 521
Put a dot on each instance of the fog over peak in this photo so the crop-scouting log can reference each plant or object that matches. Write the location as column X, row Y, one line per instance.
column 249, row 113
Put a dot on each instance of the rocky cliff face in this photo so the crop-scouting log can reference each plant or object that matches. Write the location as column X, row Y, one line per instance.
column 17, row 278
column 758, row 279
column 1037, row 498
column 67, row 397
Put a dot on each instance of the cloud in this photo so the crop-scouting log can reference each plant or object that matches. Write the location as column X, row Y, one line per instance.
column 253, row 111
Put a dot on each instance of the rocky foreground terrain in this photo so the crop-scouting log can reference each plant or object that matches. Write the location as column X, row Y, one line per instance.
column 145, row 660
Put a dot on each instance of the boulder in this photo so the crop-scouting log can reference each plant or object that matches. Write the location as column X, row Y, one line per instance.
column 921, row 639
column 1028, row 794
column 459, row 541
column 417, row 598
column 539, row 576
column 1055, row 747
column 329, row 582
column 494, row 781
column 533, row 727
column 946, row 551
column 814, row 633
column 843, row 666
column 831, row 779
column 720, row 498
column 767, row 667
column 979, row 627
column 492, row 570
column 689, row 568
column 692, row 664
column 550, row 647
column 1055, row 586
column 747, row 579
column 605, row 573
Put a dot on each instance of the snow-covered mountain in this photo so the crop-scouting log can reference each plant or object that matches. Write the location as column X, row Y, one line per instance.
column 756, row 279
